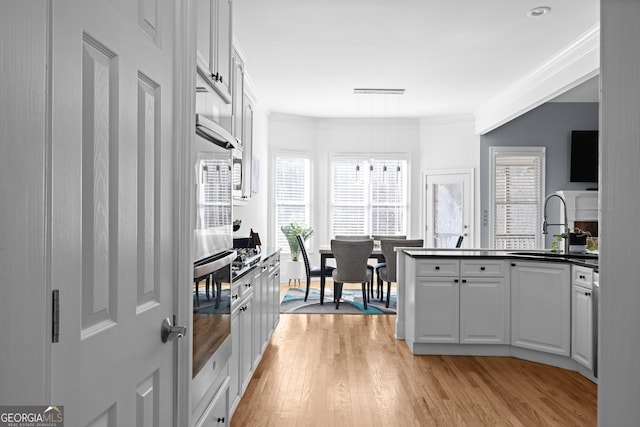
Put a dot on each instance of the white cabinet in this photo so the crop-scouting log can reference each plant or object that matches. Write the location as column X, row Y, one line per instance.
column 459, row 301
column 237, row 95
column 253, row 320
column 217, row 413
column 582, row 316
column 242, row 125
column 214, row 36
column 240, row 364
column 436, row 314
column 540, row 306
column 273, row 315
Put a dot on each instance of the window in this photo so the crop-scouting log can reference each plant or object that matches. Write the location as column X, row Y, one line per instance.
column 292, row 194
column 517, row 188
column 368, row 196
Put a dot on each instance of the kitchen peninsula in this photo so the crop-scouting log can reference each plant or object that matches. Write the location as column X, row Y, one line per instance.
column 535, row 305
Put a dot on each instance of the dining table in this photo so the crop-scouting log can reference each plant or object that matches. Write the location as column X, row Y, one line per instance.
column 325, row 253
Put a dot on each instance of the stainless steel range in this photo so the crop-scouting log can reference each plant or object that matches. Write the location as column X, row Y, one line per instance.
column 246, row 258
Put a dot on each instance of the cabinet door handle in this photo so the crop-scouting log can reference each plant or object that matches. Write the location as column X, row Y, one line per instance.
column 437, row 267
column 582, row 277
column 455, row 280
column 482, row 268
column 464, row 280
column 220, row 419
column 513, row 264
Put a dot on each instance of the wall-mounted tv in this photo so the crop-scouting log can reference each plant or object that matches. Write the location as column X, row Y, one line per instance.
column 584, row 156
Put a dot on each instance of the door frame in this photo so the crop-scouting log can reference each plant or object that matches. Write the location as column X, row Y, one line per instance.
column 470, row 172
column 184, row 129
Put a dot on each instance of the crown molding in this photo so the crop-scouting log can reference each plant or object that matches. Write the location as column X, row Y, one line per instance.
column 575, row 64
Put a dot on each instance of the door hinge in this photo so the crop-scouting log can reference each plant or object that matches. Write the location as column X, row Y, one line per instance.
column 55, row 315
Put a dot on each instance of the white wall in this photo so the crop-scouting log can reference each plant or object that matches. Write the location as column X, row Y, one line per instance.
column 451, row 143
column 323, row 137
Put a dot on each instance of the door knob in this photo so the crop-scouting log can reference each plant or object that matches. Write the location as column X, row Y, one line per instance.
column 169, row 332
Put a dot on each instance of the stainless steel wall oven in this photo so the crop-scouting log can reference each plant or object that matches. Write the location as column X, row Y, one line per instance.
column 213, row 244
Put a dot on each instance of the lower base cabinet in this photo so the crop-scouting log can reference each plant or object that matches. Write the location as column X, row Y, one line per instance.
column 217, row 413
column 541, row 307
column 582, row 316
column 459, row 302
column 255, row 313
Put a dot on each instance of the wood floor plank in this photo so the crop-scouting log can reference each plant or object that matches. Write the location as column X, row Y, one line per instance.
column 349, row 370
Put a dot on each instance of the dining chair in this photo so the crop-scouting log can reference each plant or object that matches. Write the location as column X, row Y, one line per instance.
column 388, row 273
column 351, row 266
column 354, row 237
column 311, row 271
column 379, row 265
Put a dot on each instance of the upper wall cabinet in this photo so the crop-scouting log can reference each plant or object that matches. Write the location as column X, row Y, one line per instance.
column 237, row 95
column 214, row 44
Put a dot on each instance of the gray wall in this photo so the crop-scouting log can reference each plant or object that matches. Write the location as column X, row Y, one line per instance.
column 550, row 126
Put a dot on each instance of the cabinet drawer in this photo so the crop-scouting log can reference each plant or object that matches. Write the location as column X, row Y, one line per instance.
column 582, row 276
column 442, row 267
column 235, row 295
column 482, row 267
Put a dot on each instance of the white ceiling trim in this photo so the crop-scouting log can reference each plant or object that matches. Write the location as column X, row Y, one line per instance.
column 570, row 67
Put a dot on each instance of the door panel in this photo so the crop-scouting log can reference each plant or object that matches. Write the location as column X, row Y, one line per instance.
column 449, row 204
column 112, row 195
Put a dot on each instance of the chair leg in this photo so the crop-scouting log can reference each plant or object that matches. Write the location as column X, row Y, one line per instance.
column 337, row 294
column 197, row 297
column 364, row 293
column 380, row 286
column 306, row 294
column 388, row 293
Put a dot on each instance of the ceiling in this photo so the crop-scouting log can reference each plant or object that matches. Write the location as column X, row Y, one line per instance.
column 305, row 57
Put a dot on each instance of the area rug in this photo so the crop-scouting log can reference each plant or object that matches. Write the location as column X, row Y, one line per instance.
column 351, row 303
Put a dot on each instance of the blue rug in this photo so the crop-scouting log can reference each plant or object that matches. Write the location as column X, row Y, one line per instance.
column 351, row 302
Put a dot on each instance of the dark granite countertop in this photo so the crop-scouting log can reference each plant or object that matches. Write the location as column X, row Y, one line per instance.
column 583, row 259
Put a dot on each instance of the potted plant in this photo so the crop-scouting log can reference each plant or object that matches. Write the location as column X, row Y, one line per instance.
column 291, row 231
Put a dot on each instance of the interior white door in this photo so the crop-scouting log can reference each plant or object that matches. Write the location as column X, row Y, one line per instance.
column 112, row 222
column 448, row 208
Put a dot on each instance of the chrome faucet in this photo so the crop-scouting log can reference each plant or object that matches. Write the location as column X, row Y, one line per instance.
column 564, row 235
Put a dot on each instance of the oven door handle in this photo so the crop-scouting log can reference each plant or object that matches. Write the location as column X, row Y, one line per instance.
column 210, row 267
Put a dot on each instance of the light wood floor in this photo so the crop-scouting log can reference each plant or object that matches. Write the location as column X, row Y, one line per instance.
column 349, row 370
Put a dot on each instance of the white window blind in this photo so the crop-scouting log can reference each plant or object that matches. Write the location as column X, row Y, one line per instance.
column 518, row 178
column 368, row 196
column 292, row 192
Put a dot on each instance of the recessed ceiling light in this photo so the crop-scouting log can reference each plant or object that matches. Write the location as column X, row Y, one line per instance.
column 537, row 12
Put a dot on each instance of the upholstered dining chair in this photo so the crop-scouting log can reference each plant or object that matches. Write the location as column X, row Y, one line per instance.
column 311, row 271
column 388, row 273
column 351, row 266
column 369, row 266
column 381, row 264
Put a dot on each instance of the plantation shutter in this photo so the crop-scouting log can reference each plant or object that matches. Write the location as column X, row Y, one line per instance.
column 368, row 197
column 517, row 190
column 292, row 196
column 388, row 195
column 349, row 196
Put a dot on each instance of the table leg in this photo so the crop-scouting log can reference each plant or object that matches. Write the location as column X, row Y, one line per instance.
column 323, row 264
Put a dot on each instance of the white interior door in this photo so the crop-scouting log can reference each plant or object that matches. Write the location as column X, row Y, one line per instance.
column 112, row 222
column 448, row 208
